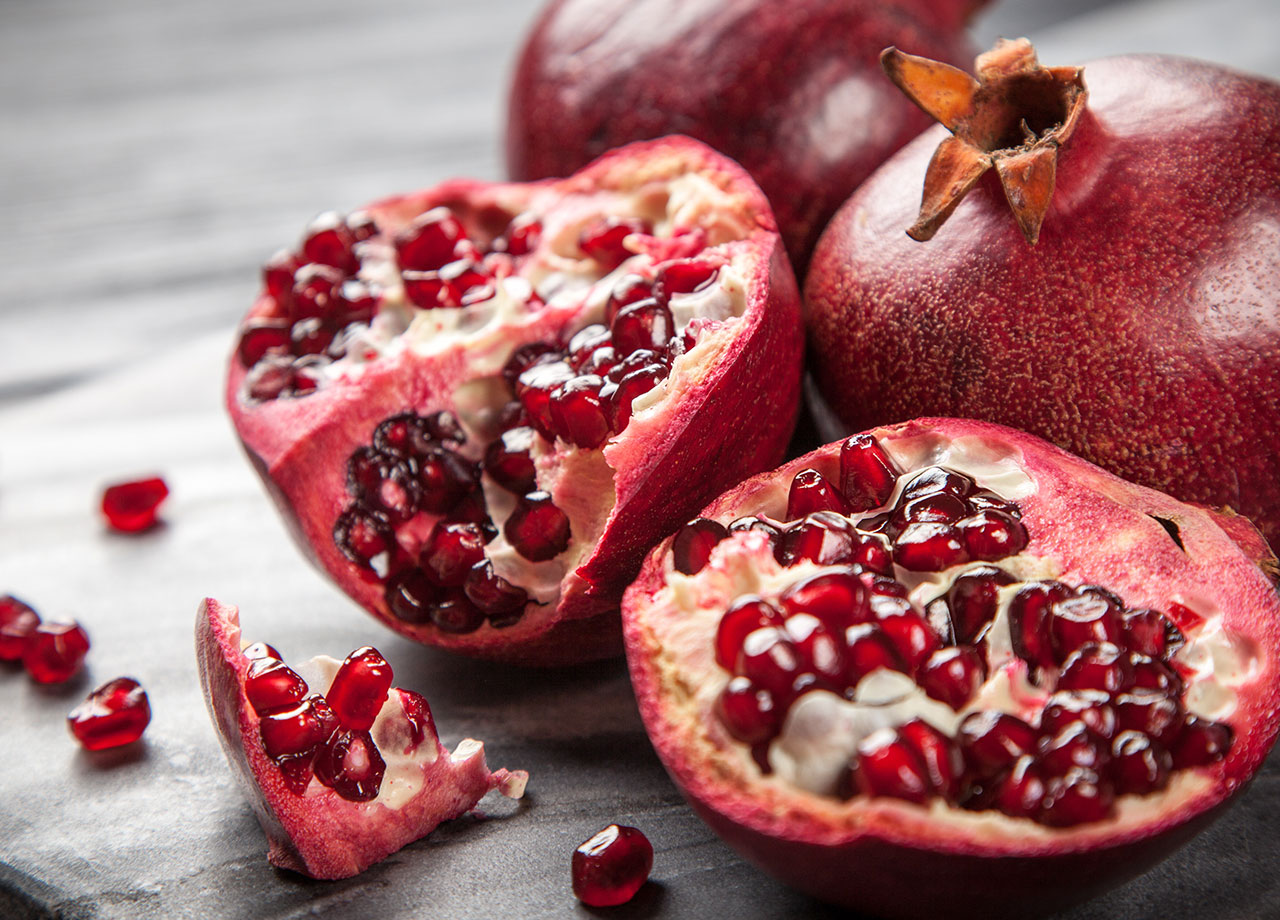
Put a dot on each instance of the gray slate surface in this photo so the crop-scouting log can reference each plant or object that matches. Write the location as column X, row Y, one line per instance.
column 153, row 154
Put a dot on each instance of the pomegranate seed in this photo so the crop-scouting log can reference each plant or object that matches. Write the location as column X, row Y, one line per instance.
column 889, row 767
column 1152, row 712
column 360, row 688
column 600, row 361
column 328, row 241
column 537, row 528
column 839, row 599
column 1020, row 794
column 418, row 713
column 1078, row 797
column 953, row 675
column 643, row 359
column 450, row 552
column 866, row 649
column 578, row 414
column 972, row 601
column 410, row 595
column 349, row 763
column 984, row 500
column 911, row 636
column 316, row 292
column 1080, row 620
column 525, row 357
column 939, row 754
column 55, row 651
column 534, row 387
column 748, row 712
column 262, row 336
column 872, row 552
column 445, row 478
column 1154, row 674
column 867, row 475
column 936, row 479
column 1028, row 615
column 277, row 277
column 645, row 324
column 819, row 650
column 993, row 740
column 522, row 235
column 260, row 650
column 630, row 388
column 508, row 462
column 113, row 715
column 1100, row 666
column 583, row 343
column 271, row 685
column 455, row 614
column 991, row 535
column 811, row 492
column 683, row 277
column 1073, row 746
column 18, row 621
column 628, row 290
column 745, row 616
column 1138, row 764
column 130, row 507
column 1201, row 743
column 356, row 303
column 823, row 537
column 1092, row 707
column 310, row 337
column 1149, row 632
column 430, row 242
column 769, row 659
column 605, row 240
column 297, row 730
column 938, row 508
column 498, row 599
column 611, row 865
column 929, row 548
column 271, row 378
column 365, row 539
column 692, row 546
column 751, row 522
column 361, row 225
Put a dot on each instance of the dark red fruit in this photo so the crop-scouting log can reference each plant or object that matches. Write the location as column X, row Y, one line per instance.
column 131, row 506
column 115, row 714
column 54, row 652
column 694, row 543
column 611, row 865
column 270, row 685
column 350, row 765
column 17, row 621
column 359, row 689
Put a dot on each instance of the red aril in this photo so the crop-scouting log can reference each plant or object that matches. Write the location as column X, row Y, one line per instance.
column 115, row 714
column 130, row 507
column 18, row 620
column 54, row 651
column 610, row 866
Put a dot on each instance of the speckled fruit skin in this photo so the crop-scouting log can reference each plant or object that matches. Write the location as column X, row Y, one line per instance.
column 792, row 91
column 321, row 834
column 897, row 861
column 1140, row 332
column 732, row 421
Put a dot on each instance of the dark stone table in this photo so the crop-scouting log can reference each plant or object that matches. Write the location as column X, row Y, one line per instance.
column 153, row 154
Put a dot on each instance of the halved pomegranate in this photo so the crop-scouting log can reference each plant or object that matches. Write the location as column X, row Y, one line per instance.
column 480, row 405
column 334, row 789
column 988, row 675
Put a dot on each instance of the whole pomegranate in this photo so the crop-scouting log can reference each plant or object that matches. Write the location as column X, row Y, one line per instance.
column 342, row 769
column 792, row 90
column 946, row 669
column 479, row 405
column 1139, row 331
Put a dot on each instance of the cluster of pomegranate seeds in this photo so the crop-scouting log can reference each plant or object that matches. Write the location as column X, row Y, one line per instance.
column 611, row 866
column 1115, row 722
column 131, row 507
column 325, row 736
column 114, row 715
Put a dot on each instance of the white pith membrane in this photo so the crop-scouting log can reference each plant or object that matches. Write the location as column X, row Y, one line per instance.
column 692, row 219
column 821, row 732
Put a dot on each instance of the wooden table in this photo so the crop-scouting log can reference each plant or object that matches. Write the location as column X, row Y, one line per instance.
column 153, row 154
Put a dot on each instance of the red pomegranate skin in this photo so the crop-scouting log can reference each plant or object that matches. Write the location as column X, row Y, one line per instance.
column 903, row 866
column 1140, row 332
column 792, row 91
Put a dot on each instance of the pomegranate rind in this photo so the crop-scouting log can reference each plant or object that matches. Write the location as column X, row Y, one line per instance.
column 895, row 859
column 1137, row 333
column 321, row 834
column 725, row 416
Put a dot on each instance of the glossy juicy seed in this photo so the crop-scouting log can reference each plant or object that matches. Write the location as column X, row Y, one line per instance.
column 260, row 650
column 526, row 356
column 522, row 235
column 1083, row 619
column 310, row 336
column 277, row 277
column 579, row 414
column 769, row 659
column 446, row 478
column 929, row 548
column 1151, row 633
column 972, row 601
column 937, row 508
column 645, row 324
column 867, row 474
column 820, row 650
column 610, row 867
column 1080, row 796
column 1028, row 626
column 756, row 523
column 683, row 277
column 911, row 636
column 629, row 289
column 1073, row 746
column 329, row 241
column 823, row 537
column 583, row 343
column 1020, row 792
column 643, row 359
column 508, row 460
column 55, row 651
column 600, row 361
column 1201, row 743
column 131, row 507
column 811, row 492
column 498, row 599
column 430, row 242
column 605, row 240
column 384, row 484
column 316, row 292
column 115, row 714
column 943, row 764
column 1092, row 707
column 866, row 649
column 952, row 675
column 1152, row 712
column 992, row 535
column 410, row 595
column 889, row 767
column 450, row 552
column 401, row 436
column 838, row 599
column 262, row 336
column 1100, row 666
column 630, row 388
column 362, row 225
column 985, row 500
column 534, row 388
column 349, row 763
column 1139, row 765
column 936, row 479
column 993, row 740
column 365, row 538
column 422, row 725
column 455, row 614
column 359, row 688
column 272, row 377
column 1154, row 674
column 693, row 543
column 873, row 553
column 270, row 684
column 299, row 729
column 747, row 712
column 537, row 528
column 18, row 621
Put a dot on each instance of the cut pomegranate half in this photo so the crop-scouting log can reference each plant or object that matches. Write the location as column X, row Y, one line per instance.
column 334, row 790
column 1077, row 703
column 541, row 381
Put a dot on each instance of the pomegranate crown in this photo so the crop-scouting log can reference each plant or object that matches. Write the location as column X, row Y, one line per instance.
column 1014, row 116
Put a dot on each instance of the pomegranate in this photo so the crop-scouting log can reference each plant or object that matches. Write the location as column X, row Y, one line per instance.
column 791, row 91
column 115, row 714
column 520, row 390
column 131, row 507
column 609, row 867
column 997, row 678
column 334, row 797
column 1138, row 331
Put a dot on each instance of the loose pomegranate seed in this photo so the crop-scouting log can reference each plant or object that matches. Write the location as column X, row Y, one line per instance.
column 578, row 413
column 349, row 763
column 889, row 767
column 748, row 712
column 262, row 336
column 645, row 324
column 1201, row 743
column 683, row 277
column 953, row 675
column 537, row 528
column 1149, row 632
column 1086, row 618
column 1152, row 712
column 499, row 600
column 1092, row 707
column 991, row 535
column 630, row 388
column 328, row 241
column 972, row 601
column 410, row 595
column 55, row 651
column 818, row 649
column 1073, row 746
column 365, row 539
column 867, row 475
column 1020, row 794
column 271, row 685
column 456, row 614
column 611, row 865
column 628, row 290
column 430, row 242
column 450, row 552
column 1138, row 764
column 360, row 688
column 811, row 492
column 929, row 548
column 277, row 277
column 1028, row 615
column 131, row 507
column 297, row 730
column 605, row 240
column 691, row 549
column 943, row 764
column 839, row 599
column 113, row 715
column 1078, row 797
column 866, row 649
column 911, row 636
column 1101, row 666
column 18, row 621
column 936, row 479
column 992, row 740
